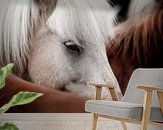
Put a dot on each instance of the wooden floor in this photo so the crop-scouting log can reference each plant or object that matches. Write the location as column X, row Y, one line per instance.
column 58, row 122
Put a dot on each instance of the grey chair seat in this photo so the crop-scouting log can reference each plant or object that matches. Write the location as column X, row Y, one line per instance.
column 131, row 111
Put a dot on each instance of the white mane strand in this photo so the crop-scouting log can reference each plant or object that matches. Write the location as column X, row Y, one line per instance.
column 17, row 18
column 140, row 7
column 89, row 20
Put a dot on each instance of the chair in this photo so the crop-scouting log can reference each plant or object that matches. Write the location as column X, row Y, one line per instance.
column 138, row 107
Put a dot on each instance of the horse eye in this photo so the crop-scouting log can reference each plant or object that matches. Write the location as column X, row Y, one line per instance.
column 70, row 45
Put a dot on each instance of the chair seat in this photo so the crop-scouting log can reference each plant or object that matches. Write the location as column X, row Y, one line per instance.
column 131, row 111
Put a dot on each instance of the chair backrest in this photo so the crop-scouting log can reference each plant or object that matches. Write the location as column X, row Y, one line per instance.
column 143, row 77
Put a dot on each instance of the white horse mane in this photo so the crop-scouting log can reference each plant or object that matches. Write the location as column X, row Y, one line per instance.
column 17, row 18
column 89, row 20
column 140, row 7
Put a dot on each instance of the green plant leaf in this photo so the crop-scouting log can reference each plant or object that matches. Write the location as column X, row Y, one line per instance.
column 4, row 72
column 20, row 99
column 8, row 126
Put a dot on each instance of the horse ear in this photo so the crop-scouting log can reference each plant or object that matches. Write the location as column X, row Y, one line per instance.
column 46, row 5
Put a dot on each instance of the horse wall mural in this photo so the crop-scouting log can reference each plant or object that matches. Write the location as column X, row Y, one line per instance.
column 58, row 44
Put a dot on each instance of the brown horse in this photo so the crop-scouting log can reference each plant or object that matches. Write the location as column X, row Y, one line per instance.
column 138, row 44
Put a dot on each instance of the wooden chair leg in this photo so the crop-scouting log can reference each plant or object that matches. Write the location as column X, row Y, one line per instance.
column 94, row 122
column 144, row 126
column 113, row 94
column 160, row 98
column 124, row 125
column 146, row 110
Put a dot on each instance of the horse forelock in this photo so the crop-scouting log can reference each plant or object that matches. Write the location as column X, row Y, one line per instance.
column 17, row 20
column 91, row 21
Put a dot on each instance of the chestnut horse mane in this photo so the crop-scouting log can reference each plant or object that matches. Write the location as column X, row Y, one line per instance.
column 140, row 40
column 138, row 44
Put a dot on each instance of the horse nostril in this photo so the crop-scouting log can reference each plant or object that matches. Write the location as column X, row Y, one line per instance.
column 74, row 80
column 105, row 79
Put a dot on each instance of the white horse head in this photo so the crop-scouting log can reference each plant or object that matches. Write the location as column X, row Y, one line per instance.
column 60, row 43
